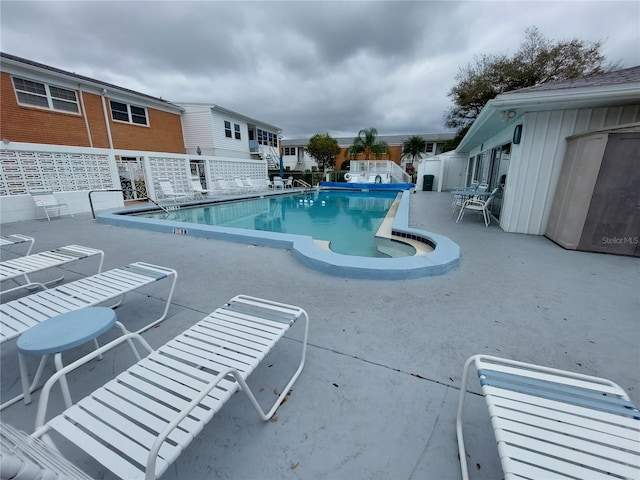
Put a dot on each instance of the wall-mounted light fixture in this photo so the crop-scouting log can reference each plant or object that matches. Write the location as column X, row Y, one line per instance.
column 6, row 141
column 517, row 134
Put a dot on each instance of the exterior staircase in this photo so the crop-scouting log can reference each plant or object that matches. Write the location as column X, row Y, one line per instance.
column 271, row 156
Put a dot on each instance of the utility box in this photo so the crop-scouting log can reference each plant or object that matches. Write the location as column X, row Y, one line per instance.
column 427, row 183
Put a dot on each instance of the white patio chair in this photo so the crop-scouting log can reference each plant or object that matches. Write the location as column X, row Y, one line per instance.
column 479, row 205
column 168, row 191
column 289, row 183
column 137, row 424
column 196, row 188
column 45, row 200
column 278, row 183
column 550, row 423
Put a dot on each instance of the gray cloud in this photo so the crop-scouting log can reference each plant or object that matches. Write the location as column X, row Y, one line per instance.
column 306, row 66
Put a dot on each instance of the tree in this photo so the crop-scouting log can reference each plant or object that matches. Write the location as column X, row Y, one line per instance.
column 537, row 61
column 324, row 149
column 413, row 148
column 367, row 144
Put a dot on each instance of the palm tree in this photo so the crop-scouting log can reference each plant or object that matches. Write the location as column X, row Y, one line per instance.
column 413, row 147
column 367, row 144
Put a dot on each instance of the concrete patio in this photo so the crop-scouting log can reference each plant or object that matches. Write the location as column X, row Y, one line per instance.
column 379, row 392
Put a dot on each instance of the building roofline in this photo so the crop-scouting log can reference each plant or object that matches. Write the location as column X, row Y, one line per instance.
column 222, row 109
column 510, row 106
column 9, row 59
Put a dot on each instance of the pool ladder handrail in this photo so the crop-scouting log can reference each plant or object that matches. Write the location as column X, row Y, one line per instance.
column 301, row 183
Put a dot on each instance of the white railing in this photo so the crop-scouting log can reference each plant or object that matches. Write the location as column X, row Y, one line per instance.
column 379, row 167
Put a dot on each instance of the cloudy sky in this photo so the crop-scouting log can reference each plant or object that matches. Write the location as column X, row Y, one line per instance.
column 307, row 67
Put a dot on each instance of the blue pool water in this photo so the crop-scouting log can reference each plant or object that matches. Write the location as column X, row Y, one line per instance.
column 348, row 220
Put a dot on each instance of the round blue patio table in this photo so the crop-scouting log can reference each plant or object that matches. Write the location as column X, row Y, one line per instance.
column 59, row 334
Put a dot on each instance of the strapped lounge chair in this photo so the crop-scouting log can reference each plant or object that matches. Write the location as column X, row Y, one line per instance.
column 25, row 458
column 23, row 266
column 551, row 423
column 45, row 200
column 168, row 191
column 18, row 315
column 196, row 188
column 137, row 424
column 8, row 241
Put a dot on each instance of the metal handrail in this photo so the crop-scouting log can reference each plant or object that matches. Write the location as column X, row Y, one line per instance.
column 302, row 183
column 93, row 213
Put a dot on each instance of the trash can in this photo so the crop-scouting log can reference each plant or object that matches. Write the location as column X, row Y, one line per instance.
column 427, row 183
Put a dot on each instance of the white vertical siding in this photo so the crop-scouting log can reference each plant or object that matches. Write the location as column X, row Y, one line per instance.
column 226, row 146
column 196, row 129
column 536, row 163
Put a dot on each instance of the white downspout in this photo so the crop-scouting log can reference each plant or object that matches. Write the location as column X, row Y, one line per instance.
column 106, row 118
column 84, row 114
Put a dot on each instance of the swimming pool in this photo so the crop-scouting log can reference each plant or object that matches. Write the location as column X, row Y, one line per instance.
column 346, row 222
column 444, row 257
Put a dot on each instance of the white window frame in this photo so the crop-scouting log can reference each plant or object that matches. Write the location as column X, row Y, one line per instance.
column 48, row 96
column 129, row 113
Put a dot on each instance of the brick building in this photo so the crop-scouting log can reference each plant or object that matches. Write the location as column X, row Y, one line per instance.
column 43, row 104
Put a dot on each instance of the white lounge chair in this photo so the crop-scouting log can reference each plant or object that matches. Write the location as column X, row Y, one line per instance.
column 241, row 186
column 45, row 200
column 260, row 183
column 197, row 189
column 551, row 423
column 252, row 185
column 229, row 186
column 168, row 191
column 7, row 242
column 27, row 458
column 137, row 424
column 24, row 266
column 18, row 315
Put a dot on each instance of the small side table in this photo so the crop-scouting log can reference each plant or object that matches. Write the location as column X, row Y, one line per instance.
column 59, row 334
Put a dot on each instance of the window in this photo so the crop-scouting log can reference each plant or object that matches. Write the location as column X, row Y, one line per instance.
column 36, row 94
column 227, row 129
column 267, row 138
column 289, row 150
column 429, row 147
column 236, row 129
column 123, row 112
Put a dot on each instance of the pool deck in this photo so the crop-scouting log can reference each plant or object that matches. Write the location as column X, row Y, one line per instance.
column 378, row 395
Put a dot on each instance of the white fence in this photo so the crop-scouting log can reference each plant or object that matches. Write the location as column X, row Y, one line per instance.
column 72, row 172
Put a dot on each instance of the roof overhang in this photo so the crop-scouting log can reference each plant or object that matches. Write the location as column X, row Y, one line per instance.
column 507, row 108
